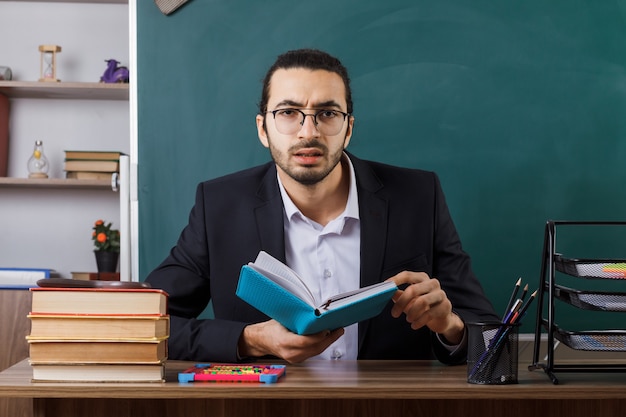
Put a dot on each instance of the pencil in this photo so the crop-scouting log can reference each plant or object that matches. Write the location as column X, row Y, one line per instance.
column 517, row 305
column 523, row 309
column 512, row 299
column 524, row 292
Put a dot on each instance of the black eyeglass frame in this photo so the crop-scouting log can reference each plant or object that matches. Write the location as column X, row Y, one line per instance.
column 314, row 115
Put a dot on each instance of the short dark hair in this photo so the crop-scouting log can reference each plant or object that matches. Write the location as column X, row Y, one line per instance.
column 312, row 59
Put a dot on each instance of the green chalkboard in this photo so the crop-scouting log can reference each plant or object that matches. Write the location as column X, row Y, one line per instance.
column 519, row 106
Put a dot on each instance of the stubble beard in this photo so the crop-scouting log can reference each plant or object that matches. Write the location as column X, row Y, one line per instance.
column 306, row 174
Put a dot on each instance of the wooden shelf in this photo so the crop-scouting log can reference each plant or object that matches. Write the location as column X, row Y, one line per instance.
column 64, row 90
column 10, row 182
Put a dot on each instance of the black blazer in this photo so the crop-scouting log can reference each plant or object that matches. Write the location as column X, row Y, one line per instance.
column 405, row 225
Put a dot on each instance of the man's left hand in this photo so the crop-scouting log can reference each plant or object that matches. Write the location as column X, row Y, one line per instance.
column 425, row 304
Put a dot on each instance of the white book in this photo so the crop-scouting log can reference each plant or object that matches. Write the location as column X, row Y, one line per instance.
column 23, row 277
column 77, row 372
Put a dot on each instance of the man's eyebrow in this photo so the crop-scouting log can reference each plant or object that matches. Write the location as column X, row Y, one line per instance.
column 325, row 104
column 288, row 103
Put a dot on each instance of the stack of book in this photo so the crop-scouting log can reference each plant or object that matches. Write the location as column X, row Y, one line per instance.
column 98, row 334
column 91, row 165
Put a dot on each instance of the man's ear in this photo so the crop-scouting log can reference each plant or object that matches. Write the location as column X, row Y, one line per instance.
column 346, row 141
column 261, row 131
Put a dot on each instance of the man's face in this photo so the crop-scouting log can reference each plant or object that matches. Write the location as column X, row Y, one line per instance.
column 306, row 155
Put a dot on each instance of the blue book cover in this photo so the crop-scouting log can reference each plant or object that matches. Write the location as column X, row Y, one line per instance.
column 22, row 278
column 275, row 290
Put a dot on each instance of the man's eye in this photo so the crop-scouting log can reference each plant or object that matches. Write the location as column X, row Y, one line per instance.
column 286, row 113
column 327, row 114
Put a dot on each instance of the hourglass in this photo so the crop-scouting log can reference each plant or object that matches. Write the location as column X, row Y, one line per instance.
column 48, row 62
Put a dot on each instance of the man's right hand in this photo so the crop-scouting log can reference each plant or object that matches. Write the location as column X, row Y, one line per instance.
column 272, row 338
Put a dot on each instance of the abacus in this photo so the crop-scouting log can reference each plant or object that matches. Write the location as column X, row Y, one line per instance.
column 232, row 373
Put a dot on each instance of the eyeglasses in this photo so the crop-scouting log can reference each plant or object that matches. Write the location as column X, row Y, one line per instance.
column 328, row 122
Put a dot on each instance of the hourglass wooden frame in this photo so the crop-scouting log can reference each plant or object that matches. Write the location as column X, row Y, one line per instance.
column 43, row 64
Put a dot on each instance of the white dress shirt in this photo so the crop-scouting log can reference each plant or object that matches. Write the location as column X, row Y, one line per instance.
column 333, row 260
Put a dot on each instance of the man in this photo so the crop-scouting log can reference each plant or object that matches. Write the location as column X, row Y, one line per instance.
column 340, row 222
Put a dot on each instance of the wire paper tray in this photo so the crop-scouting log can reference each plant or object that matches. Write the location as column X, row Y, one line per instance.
column 591, row 300
column 596, row 340
column 591, row 268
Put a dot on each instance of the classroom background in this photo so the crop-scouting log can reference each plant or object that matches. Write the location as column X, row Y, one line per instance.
column 517, row 105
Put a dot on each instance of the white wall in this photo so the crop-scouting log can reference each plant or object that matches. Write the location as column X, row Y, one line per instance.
column 50, row 227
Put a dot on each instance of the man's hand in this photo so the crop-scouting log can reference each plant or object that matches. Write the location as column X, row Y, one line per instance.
column 271, row 338
column 425, row 304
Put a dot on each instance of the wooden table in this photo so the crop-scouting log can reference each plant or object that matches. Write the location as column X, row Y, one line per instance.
column 329, row 388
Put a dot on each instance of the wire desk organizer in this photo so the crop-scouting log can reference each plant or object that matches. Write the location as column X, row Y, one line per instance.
column 587, row 269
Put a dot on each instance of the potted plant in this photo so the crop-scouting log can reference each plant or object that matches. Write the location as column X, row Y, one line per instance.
column 107, row 243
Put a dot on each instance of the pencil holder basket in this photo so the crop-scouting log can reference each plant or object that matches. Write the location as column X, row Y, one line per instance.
column 492, row 353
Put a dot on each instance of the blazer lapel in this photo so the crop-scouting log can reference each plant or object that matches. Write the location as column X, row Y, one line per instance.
column 269, row 216
column 373, row 212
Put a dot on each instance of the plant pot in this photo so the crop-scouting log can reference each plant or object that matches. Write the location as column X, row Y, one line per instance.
column 107, row 261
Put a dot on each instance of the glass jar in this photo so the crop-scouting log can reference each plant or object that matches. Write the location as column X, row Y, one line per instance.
column 38, row 163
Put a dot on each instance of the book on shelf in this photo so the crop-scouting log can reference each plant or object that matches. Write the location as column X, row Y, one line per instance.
column 98, row 276
column 95, row 155
column 87, row 175
column 20, row 278
column 277, row 291
column 92, row 327
column 83, row 276
column 101, row 351
column 103, row 301
column 98, row 373
column 91, row 165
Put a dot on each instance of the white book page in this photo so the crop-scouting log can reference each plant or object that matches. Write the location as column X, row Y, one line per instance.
column 282, row 275
column 342, row 299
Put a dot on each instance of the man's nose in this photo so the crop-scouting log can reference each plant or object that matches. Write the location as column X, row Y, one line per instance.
column 309, row 127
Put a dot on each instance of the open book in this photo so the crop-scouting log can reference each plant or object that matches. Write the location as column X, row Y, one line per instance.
column 276, row 290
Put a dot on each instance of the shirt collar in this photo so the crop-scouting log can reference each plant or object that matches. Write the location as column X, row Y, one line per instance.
column 352, row 206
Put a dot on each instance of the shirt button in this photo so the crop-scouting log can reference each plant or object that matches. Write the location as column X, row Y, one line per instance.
column 327, row 273
column 337, row 354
